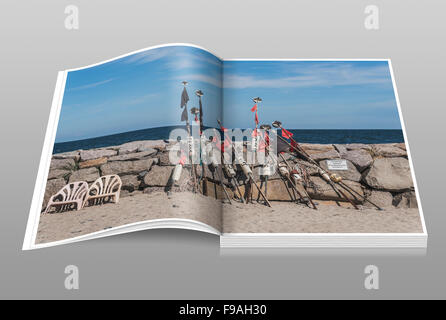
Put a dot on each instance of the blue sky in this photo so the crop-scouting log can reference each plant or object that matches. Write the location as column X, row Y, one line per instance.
column 138, row 92
column 143, row 91
column 311, row 94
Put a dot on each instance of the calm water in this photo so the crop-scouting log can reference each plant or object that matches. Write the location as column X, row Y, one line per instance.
column 306, row 136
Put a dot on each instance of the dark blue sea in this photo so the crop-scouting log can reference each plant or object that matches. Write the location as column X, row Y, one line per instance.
column 325, row 136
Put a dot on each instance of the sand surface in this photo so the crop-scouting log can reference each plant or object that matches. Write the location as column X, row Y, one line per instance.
column 287, row 217
column 139, row 207
column 283, row 217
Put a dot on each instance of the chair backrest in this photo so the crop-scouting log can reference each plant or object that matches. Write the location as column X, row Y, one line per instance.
column 106, row 185
column 72, row 191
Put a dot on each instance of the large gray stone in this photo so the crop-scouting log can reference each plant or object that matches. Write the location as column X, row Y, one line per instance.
column 311, row 169
column 130, row 182
column 382, row 199
column 58, row 173
column 52, row 187
column 87, row 174
column 159, row 176
column 164, row 159
column 75, row 155
column 405, row 200
column 134, row 156
column 359, row 157
column 96, row 153
column 64, row 164
column 388, row 151
column 140, row 146
column 350, row 174
column 92, row 163
column 321, row 190
column 390, row 174
column 126, row 167
column 320, row 151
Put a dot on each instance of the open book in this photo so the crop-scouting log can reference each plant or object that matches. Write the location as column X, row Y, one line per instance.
column 262, row 153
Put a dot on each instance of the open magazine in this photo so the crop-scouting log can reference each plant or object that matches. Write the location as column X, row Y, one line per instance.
column 262, row 153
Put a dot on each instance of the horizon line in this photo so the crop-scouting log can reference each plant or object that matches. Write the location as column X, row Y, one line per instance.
column 114, row 134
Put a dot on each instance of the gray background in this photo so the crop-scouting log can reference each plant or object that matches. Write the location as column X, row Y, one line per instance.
column 182, row 264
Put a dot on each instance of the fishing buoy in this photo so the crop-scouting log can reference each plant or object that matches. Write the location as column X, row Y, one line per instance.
column 229, row 169
column 246, row 169
column 177, row 173
column 283, row 171
column 324, row 175
column 335, row 178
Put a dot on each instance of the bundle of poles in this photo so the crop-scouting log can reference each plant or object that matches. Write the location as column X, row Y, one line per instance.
column 293, row 176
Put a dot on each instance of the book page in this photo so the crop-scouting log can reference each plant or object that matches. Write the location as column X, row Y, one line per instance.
column 337, row 158
column 119, row 153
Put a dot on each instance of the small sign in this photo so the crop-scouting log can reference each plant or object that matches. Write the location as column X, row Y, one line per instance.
column 338, row 164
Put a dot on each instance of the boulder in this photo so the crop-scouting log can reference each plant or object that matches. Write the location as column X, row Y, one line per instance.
column 388, row 151
column 405, row 200
column 96, row 153
column 401, row 145
column 358, row 146
column 58, row 173
column 87, row 174
column 382, row 199
column 64, row 164
column 277, row 191
column 75, row 155
column 164, row 159
column 390, row 174
column 92, row 163
column 350, row 174
column 126, row 167
column 140, row 146
column 321, row 190
column 130, row 182
column 320, row 151
column 159, row 176
column 305, row 165
column 359, row 157
column 134, row 156
column 216, row 187
column 52, row 187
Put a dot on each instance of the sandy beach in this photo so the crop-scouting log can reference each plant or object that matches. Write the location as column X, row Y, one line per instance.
column 135, row 208
column 287, row 217
column 282, row 217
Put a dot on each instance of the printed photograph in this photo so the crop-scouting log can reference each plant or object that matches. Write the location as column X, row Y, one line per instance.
column 153, row 136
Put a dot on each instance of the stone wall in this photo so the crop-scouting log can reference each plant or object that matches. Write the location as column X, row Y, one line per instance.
column 381, row 171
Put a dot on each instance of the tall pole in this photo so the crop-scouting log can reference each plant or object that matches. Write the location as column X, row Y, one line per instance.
column 184, row 100
column 204, row 180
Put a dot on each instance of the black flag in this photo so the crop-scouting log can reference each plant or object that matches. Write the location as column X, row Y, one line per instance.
column 184, row 97
column 184, row 100
column 184, row 116
column 282, row 146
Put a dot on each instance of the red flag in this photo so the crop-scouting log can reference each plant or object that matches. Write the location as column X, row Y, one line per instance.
column 257, row 118
column 254, row 109
column 286, row 134
column 255, row 133
column 264, row 143
column 182, row 159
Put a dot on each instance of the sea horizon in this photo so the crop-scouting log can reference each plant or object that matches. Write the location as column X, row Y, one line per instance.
column 321, row 136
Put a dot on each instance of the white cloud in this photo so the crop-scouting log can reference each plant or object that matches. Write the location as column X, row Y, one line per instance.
column 321, row 75
column 91, row 85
